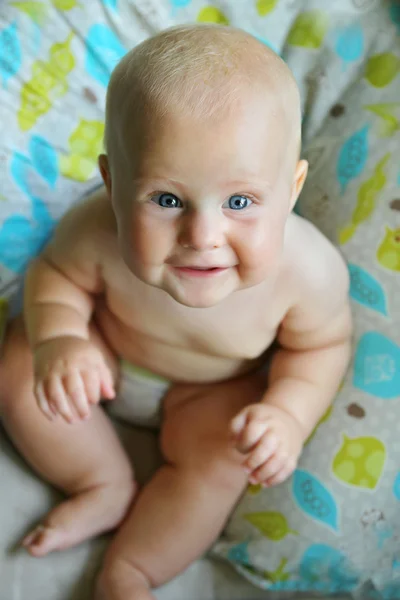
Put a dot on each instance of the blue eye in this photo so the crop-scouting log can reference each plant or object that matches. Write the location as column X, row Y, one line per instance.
column 168, row 201
column 237, row 202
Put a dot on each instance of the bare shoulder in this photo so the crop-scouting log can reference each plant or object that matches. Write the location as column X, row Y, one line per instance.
column 79, row 244
column 93, row 215
column 315, row 267
column 85, row 226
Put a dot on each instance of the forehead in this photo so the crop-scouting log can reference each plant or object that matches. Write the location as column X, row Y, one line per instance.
column 248, row 139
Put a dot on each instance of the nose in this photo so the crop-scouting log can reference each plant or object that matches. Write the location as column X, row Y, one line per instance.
column 202, row 230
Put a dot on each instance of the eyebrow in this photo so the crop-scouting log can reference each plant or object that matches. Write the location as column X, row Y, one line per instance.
column 156, row 179
column 255, row 184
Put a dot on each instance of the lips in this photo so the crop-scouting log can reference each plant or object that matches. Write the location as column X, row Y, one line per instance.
column 195, row 267
column 201, row 268
column 195, row 271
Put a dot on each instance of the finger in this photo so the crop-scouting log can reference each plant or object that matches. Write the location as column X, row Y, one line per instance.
column 91, row 382
column 58, row 398
column 281, row 475
column 266, row 447
column 251, row 435
column 53, row 410
column 107, row 383
column 42, row 401
column 250, row 414
column 239, row 422
column 76, row 393
column 268, row 469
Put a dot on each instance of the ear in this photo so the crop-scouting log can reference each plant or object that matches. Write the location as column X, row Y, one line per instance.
column 105, row 173
column 299, row 179
column 388, row 230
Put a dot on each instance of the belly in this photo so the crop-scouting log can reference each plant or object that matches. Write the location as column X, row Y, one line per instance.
column 179, row 364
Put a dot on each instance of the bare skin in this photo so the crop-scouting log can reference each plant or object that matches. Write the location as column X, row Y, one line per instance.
column 189, row 263
column 99, row 493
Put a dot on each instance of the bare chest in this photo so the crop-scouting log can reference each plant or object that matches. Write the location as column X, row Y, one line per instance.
column 240, row 328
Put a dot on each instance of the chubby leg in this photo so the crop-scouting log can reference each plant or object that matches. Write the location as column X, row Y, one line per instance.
column 84, row 460
column 184, row 507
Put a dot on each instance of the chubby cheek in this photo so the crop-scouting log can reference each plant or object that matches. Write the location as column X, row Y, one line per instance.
column 259, row 249
column 148, row 241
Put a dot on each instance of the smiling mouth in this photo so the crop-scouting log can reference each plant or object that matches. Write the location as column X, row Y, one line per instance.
column 200, row 271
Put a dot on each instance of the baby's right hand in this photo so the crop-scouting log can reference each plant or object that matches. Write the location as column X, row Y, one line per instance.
column 70, row 375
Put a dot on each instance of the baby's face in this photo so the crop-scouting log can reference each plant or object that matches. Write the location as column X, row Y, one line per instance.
column 202, row 211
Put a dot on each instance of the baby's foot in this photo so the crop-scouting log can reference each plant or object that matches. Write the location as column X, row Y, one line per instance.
column 44, row 539
column 88, row 514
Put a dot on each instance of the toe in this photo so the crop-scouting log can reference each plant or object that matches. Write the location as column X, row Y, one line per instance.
column 41, row 541
column 32, row 537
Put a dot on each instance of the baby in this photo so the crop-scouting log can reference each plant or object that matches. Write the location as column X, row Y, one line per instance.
column 169, row 285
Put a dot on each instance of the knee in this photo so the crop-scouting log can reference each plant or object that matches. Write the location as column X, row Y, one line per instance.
column 15, row 364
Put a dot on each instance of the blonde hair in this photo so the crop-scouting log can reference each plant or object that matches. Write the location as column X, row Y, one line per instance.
column 198, row 70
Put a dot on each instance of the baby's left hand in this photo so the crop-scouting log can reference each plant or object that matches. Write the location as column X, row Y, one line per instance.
column 272, row 440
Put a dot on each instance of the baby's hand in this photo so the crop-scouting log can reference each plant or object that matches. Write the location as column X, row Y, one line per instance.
column 272, row 439
column 70, row 375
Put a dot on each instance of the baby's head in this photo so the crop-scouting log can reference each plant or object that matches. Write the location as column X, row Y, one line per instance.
column 203, row 130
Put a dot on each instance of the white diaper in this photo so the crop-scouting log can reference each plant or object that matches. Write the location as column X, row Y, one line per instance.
column 139, row 398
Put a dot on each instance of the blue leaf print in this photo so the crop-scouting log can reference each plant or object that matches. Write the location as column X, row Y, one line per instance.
column 395, row 12
column 104, row 51
column 322, row 563
column 110, row 4
column 40, row 214
column 352, row 157
column 396, row 489
column 179, row 3
column 239, row 554
column 315, row 499
column 19, row 168
column 396, row 562
column 44, row 159
column 391, row 591
column 10, row 52
column 20, row 240
column 377, row 366
column 13, row 235
column 367, row 290
column 350, row 43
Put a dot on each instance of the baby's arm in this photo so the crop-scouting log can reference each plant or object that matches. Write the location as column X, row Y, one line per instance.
column 315, row 342
column 58, row 303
